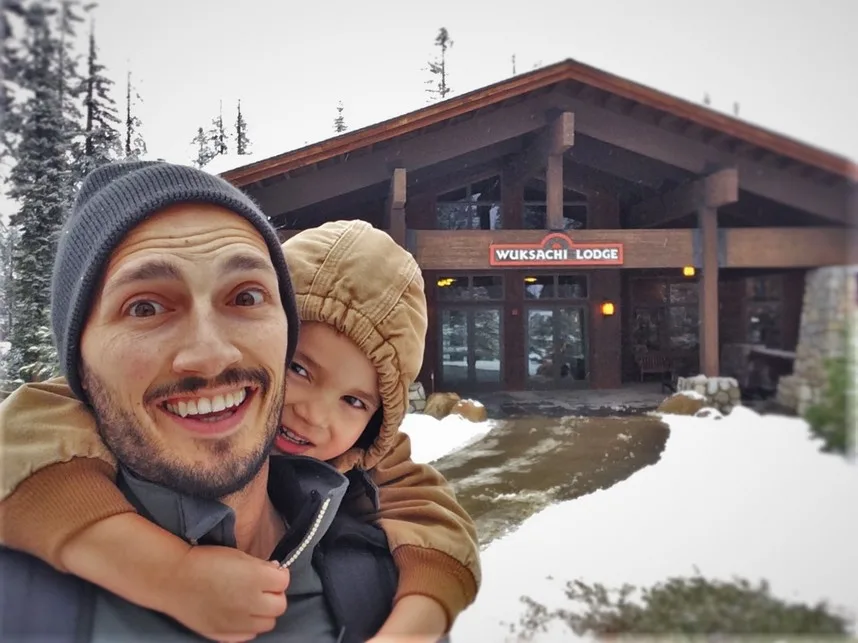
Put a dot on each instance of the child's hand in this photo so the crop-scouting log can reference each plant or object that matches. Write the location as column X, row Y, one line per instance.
column 226, row 595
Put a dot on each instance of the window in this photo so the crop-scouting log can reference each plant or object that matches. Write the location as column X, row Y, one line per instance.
column 665, row 315
column 536, row 211
column 763, row 311
column 555, row 287
column 474, row 207
column 470, row 288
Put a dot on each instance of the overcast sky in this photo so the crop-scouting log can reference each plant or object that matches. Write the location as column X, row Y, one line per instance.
column 790, row 64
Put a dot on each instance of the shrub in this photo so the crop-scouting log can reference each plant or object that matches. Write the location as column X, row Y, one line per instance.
column 828, row 417
column 684, row 607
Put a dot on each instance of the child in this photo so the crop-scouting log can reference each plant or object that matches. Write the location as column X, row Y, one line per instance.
column 363, row 311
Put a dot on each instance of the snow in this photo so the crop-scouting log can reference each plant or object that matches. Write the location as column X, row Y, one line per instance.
column 694, row 395
column 432, row 439
column 746, row 495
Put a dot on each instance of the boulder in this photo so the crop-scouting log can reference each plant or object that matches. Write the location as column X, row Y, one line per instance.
column 682, row 404
column 721, row 393
column 416, row 398
column 439, row 405
column 470, row 410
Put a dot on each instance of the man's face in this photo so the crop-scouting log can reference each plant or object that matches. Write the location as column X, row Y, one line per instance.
column 184, row 351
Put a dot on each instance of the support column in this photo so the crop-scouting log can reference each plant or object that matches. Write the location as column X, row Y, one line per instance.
column 395, row 215
column 554, row 192
column 708, row 295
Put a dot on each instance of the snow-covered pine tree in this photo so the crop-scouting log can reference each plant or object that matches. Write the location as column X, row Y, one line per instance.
column 340, row 120
column 12, row 15
column 202, row 144
column 242, row 142
column 438, row 87
column 217, row 135
column 135, row 146
column 71, row 84
column 102, row 138
column 8, row 238
column 39, row 182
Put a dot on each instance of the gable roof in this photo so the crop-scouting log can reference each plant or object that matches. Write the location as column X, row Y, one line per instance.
column 541, row 79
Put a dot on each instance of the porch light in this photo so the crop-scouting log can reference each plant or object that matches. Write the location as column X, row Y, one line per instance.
column 446, row 281
column 688, row 271
column 530, row 280
column 607, row 308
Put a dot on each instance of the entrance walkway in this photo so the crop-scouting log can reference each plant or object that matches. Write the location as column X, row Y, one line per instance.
column 629, row 400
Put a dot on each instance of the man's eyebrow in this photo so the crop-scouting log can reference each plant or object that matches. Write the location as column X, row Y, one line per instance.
column 155, row 269
column 245, row 263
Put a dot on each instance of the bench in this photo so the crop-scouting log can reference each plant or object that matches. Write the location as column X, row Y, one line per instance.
column 655, row 362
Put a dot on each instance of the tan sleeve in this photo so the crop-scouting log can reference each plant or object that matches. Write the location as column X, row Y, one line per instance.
column 433, row 540
column 57, row 475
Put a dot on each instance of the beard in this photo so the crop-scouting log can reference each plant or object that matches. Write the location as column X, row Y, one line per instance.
column 225, row 469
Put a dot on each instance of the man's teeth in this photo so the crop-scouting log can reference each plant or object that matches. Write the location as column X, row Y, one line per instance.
column 206, row 405
column 297, row 439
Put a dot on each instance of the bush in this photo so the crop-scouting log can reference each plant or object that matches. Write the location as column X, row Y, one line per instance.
column 684, row 606
column 828, row 417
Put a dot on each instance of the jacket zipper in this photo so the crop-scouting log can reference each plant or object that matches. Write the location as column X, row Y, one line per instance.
column 310, row 534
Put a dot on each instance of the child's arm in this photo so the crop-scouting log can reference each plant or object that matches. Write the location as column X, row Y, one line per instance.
column 433, row 540
column 68, row 511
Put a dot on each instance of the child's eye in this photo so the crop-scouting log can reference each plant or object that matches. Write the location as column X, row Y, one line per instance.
column 354, row 402
column 298, row 369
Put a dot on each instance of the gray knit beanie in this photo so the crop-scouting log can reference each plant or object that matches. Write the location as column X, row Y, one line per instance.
column 113, row 200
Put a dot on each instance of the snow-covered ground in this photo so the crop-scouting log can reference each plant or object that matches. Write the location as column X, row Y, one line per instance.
column 745, row 495
column 432, row 439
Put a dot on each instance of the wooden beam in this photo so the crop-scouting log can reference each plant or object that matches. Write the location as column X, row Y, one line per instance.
column 414, row 153
column 713, row 191
column 623, row 164
column 395, row 214
column 554, row 193
column 786, row 247
column 699, row 158
column 557, row 137
column 708, row 295
column 469, row 249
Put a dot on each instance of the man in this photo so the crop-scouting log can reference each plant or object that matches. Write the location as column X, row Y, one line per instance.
column 170, row 292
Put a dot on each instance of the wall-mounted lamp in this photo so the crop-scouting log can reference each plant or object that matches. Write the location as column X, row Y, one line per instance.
column 688, row 271
column 530, row 280
column 445, row 281
column 607, row 308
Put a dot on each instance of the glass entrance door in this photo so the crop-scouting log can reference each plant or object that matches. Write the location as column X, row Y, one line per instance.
column 470, row 348
column 556, row 347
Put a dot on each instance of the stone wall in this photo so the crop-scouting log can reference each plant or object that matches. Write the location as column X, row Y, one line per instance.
column 416, row 398
column 828, row 309
column 721, row 393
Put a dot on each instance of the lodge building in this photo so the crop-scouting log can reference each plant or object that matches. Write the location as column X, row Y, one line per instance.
column 576, row 229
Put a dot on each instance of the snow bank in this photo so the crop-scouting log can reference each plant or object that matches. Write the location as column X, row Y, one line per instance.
column 432, row 439
column 746, row 495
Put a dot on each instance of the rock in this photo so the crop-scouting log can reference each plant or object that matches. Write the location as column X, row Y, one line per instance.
column 439, row 405
column 722, row 397
column 419, row 405
column 470, row 410
column 679, row 404
column 709, row 412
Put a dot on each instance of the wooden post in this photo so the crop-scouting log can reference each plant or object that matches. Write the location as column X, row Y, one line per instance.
column 396, row 207
column 554, row 192
column 708, row 295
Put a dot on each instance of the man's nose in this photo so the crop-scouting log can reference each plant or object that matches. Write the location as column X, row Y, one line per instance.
column 207, row 349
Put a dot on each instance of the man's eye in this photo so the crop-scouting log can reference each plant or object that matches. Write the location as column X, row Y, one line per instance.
column 250, row 297
column 145, row 308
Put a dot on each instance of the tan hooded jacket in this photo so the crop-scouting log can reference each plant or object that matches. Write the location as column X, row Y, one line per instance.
column 58, row 477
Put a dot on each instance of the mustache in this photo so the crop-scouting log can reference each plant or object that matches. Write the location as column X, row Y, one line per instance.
column 231, row 377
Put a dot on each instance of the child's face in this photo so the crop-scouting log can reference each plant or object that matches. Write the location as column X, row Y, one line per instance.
column 331, row 395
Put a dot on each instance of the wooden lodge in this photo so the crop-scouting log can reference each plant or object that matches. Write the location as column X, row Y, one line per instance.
column 576, row 229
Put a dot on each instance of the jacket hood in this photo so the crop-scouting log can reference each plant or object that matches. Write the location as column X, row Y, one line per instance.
column 357, row 279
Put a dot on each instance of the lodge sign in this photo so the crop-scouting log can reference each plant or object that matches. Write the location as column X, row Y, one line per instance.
column 556, row 249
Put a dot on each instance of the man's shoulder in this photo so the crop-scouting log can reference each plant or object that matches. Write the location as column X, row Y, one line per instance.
column 37, row 600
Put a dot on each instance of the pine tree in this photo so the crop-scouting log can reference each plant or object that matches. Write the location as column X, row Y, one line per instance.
column 70, row 83
column 11, row 11
column 217, row 135
column 40, row 183
column 135, row 146
column 340, row 120
column 438, row 87
column 8, row 239
column 102, row 139
column 202, row 143
column 242, row 142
